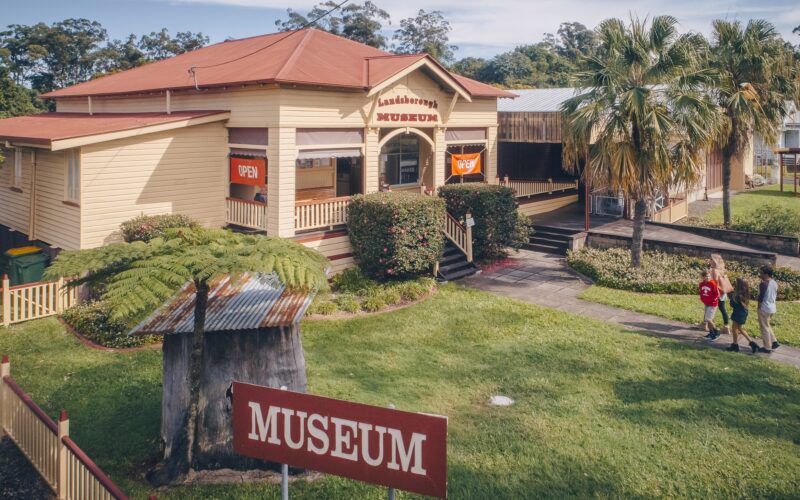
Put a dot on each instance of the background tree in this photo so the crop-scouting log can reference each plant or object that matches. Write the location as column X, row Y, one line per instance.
column 427, row 33
column 15, row 99
column 511, row 69
column 755, row 76
column 358, row 22
column 21, row 48
column 119, row 55
column 646, row 105
column 471, row 67
column 138, row 277
column 159, row 45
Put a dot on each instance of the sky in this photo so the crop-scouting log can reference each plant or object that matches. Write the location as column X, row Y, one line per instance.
column 481, row 28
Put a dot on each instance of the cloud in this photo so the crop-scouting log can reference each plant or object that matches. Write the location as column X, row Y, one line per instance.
column 484, row 28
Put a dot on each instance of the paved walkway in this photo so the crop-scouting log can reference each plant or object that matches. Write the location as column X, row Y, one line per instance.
column 544, row 279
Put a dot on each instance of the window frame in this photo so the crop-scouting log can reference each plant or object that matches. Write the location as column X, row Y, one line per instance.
column 72, row 177
column 384, row 163
column 16, row 174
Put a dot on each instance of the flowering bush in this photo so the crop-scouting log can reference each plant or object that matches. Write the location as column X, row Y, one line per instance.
column 147, row 227
column 668, row 273
column 498, row 225
column 395, row 234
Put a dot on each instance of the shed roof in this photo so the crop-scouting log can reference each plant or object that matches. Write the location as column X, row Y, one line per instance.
column 304, row 57
column 246, row 302
column 537, row 100
column 52, row 129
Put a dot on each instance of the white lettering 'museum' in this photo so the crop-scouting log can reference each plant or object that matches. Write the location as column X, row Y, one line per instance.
column 337, row 437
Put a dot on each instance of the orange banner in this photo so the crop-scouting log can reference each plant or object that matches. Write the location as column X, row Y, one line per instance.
column 252, row 171
column 464, row 164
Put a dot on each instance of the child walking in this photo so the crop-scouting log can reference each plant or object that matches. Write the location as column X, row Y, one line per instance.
column 717, row 272
column 740, row 300
column 709, row 296
column 767, row 296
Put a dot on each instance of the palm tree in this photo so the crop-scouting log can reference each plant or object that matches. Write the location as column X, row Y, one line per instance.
column 641, row 117
column 755, row 76
column 138, row 277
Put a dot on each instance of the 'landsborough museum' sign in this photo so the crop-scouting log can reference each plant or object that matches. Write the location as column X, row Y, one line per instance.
column 377, row 445
column 407, row 108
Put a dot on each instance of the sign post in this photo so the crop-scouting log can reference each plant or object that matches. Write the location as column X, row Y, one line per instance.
column 392, row 448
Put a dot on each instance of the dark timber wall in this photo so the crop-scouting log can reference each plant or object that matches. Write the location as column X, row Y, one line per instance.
column 530, row 161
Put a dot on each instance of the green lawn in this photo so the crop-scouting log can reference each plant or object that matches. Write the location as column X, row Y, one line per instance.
column 746, row 201
column 688, row 309
column 600, row 411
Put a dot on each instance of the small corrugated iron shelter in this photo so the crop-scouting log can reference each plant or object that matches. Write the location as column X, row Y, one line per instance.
column 252, row 334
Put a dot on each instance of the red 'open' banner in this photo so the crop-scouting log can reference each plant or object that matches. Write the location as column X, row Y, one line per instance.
column 377, row 445
column 252, row 171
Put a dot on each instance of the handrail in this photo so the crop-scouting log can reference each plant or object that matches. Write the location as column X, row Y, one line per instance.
column 529, row 187
column 246, row 213
column 317, row 201
column 460, row 234
column 249, row 202
column 317, row 214
column 94, row 470
column 40, row 414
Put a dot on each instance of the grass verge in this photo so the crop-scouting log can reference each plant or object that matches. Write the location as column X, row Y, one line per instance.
column 688, row 309
column 746, row 202
column 600, row 411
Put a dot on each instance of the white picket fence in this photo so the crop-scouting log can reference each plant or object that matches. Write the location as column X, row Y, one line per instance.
column 317, row 214
column 525, row 188
column 35, row 300
column 244, row 213
column 70, row 473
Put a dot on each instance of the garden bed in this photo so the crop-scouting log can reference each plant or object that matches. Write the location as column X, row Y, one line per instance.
column 668, row 273
column 354, row 294
column 94, row 326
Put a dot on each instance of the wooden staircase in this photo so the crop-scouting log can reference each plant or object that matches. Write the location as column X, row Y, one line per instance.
column 453, row 264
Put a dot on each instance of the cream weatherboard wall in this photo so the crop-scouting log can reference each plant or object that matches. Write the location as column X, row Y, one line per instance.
column 177, row 171
column 56, row 222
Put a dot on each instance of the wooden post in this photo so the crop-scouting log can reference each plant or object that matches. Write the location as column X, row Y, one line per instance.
column 61, row 478
column 780, row 170
column 469, row 236
column 505, row 180
column 5, row 371
column 60, row 296
column 6, row 301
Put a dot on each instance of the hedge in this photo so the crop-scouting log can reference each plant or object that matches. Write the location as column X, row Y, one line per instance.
column 498, row 225
column 668, row 273
column 395, row 234
column 147, row 227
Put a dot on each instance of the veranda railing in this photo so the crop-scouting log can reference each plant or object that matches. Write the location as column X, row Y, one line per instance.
column 460, row 234
column 317, row 214
column 35, row 300
column 524, row 188
column 244, row 213
column 47, row 445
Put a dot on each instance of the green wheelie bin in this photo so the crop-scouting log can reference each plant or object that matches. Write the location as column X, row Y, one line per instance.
column 26, row 265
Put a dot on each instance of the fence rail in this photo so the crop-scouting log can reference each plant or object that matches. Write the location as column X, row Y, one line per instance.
column 525, row 188
column 676, row 210
column 460, row 234
column 35, row 300
column 46, row 444
column 316, row 214
column 250, row 214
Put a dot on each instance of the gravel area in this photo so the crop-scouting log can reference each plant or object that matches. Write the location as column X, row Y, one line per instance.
column 18, row 478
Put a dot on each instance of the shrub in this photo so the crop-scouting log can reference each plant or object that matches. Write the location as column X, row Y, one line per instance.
column 413, row 290
column 353, row 281
column 322, row 305
column 348, row 303
column 668, row 273
column 395, row 235
column 769, row 219
column 389, row 294
column 373, row 303
column 498, row 225
column 147, row 227
column 93, row 320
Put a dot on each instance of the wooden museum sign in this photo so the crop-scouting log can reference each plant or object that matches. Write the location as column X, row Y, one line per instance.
column 392, row 448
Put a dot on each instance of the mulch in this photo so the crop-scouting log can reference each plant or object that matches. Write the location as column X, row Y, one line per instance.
column 18, row 478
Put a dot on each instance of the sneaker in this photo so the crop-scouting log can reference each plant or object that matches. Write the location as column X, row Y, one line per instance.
column 775, row 345
column 754, row 347
column 733, row 348
column 715, row 335
column 709, row 334
column 764, row 350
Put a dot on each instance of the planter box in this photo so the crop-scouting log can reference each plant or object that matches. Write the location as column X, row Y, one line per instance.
column 786, row 245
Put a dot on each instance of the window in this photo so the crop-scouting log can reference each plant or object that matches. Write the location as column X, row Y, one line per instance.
column 400, row 161
column 73, row 186
column 17, row 182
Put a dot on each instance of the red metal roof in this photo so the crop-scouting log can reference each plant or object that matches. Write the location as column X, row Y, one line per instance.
column 303, row 57
column 48, row 127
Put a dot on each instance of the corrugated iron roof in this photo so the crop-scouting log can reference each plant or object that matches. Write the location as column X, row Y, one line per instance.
column 302, row 57
column 246, row 302
column 537, row 100
column 48, row 127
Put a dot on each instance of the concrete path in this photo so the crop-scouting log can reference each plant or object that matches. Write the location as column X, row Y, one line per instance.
column 545, row 279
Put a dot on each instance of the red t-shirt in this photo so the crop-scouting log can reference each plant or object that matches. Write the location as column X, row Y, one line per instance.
column 709, row 293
